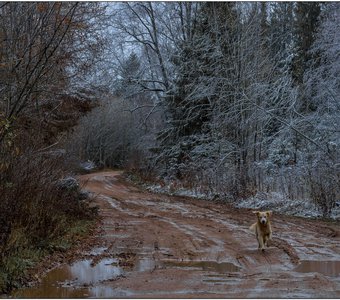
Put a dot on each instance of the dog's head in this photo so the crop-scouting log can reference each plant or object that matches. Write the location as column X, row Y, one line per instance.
column 263, row 216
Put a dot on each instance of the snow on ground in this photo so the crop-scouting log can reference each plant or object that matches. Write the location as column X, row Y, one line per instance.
column 170, row 190
column 261, row 201
column 88, row 165
column 279, row 203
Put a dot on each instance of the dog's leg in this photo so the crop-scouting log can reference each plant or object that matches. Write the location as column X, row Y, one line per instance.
column 266, row 238
column 259, row 239
column 261, row 242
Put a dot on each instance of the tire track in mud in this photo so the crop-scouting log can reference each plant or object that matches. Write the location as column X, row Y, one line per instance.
column 289, row 250
column 200, row 241
column 201, row 212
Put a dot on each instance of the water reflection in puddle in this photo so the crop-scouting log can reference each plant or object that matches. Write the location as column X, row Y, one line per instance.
column 75, row 281
column 328, row 268
column 144, row 265
column 82, row 280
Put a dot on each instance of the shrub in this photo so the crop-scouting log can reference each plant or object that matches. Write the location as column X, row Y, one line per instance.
column 37, row 207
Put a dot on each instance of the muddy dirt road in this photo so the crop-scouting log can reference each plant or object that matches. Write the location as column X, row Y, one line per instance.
column 157, row 246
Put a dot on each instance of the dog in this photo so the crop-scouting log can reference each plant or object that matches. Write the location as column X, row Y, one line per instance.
column 262, row 228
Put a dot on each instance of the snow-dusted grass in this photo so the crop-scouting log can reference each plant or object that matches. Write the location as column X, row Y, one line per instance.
column 279, row 203
column 276, row 202
column 168, row 189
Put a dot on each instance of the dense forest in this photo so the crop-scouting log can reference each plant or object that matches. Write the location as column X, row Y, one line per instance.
column 227, row 98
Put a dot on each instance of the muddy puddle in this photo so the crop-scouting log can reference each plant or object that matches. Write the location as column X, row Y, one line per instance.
column 144, row 265
column 75, row 281
column 83, row 280
column 328, row 268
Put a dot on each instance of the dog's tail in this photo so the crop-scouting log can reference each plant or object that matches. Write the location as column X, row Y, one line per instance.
column 252, row 228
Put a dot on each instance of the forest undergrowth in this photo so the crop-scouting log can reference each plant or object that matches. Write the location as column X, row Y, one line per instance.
column 41, row 211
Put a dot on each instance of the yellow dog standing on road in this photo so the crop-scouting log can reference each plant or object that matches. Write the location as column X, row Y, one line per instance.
column 262, row 228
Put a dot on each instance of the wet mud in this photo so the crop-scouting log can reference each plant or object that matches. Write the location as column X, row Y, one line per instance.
column 158, row 246
column 328, row 268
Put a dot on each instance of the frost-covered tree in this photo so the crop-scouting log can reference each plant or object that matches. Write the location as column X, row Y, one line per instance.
column 235, row 84
column 306, row 24
column 129, row 75
column 228, row 95
column 322, row 78
column 281, row 30
column 323, row 91
column 198, row 66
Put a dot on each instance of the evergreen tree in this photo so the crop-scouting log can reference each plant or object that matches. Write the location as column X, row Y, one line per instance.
column 306, row 25
column 281, row 31
column 201, row 64
column 129, row 76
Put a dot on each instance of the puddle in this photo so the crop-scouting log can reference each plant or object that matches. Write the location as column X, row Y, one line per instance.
column 81, row 280
column 144, row 265
column 328, row 268
column 211, row 266
column 74, row 281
